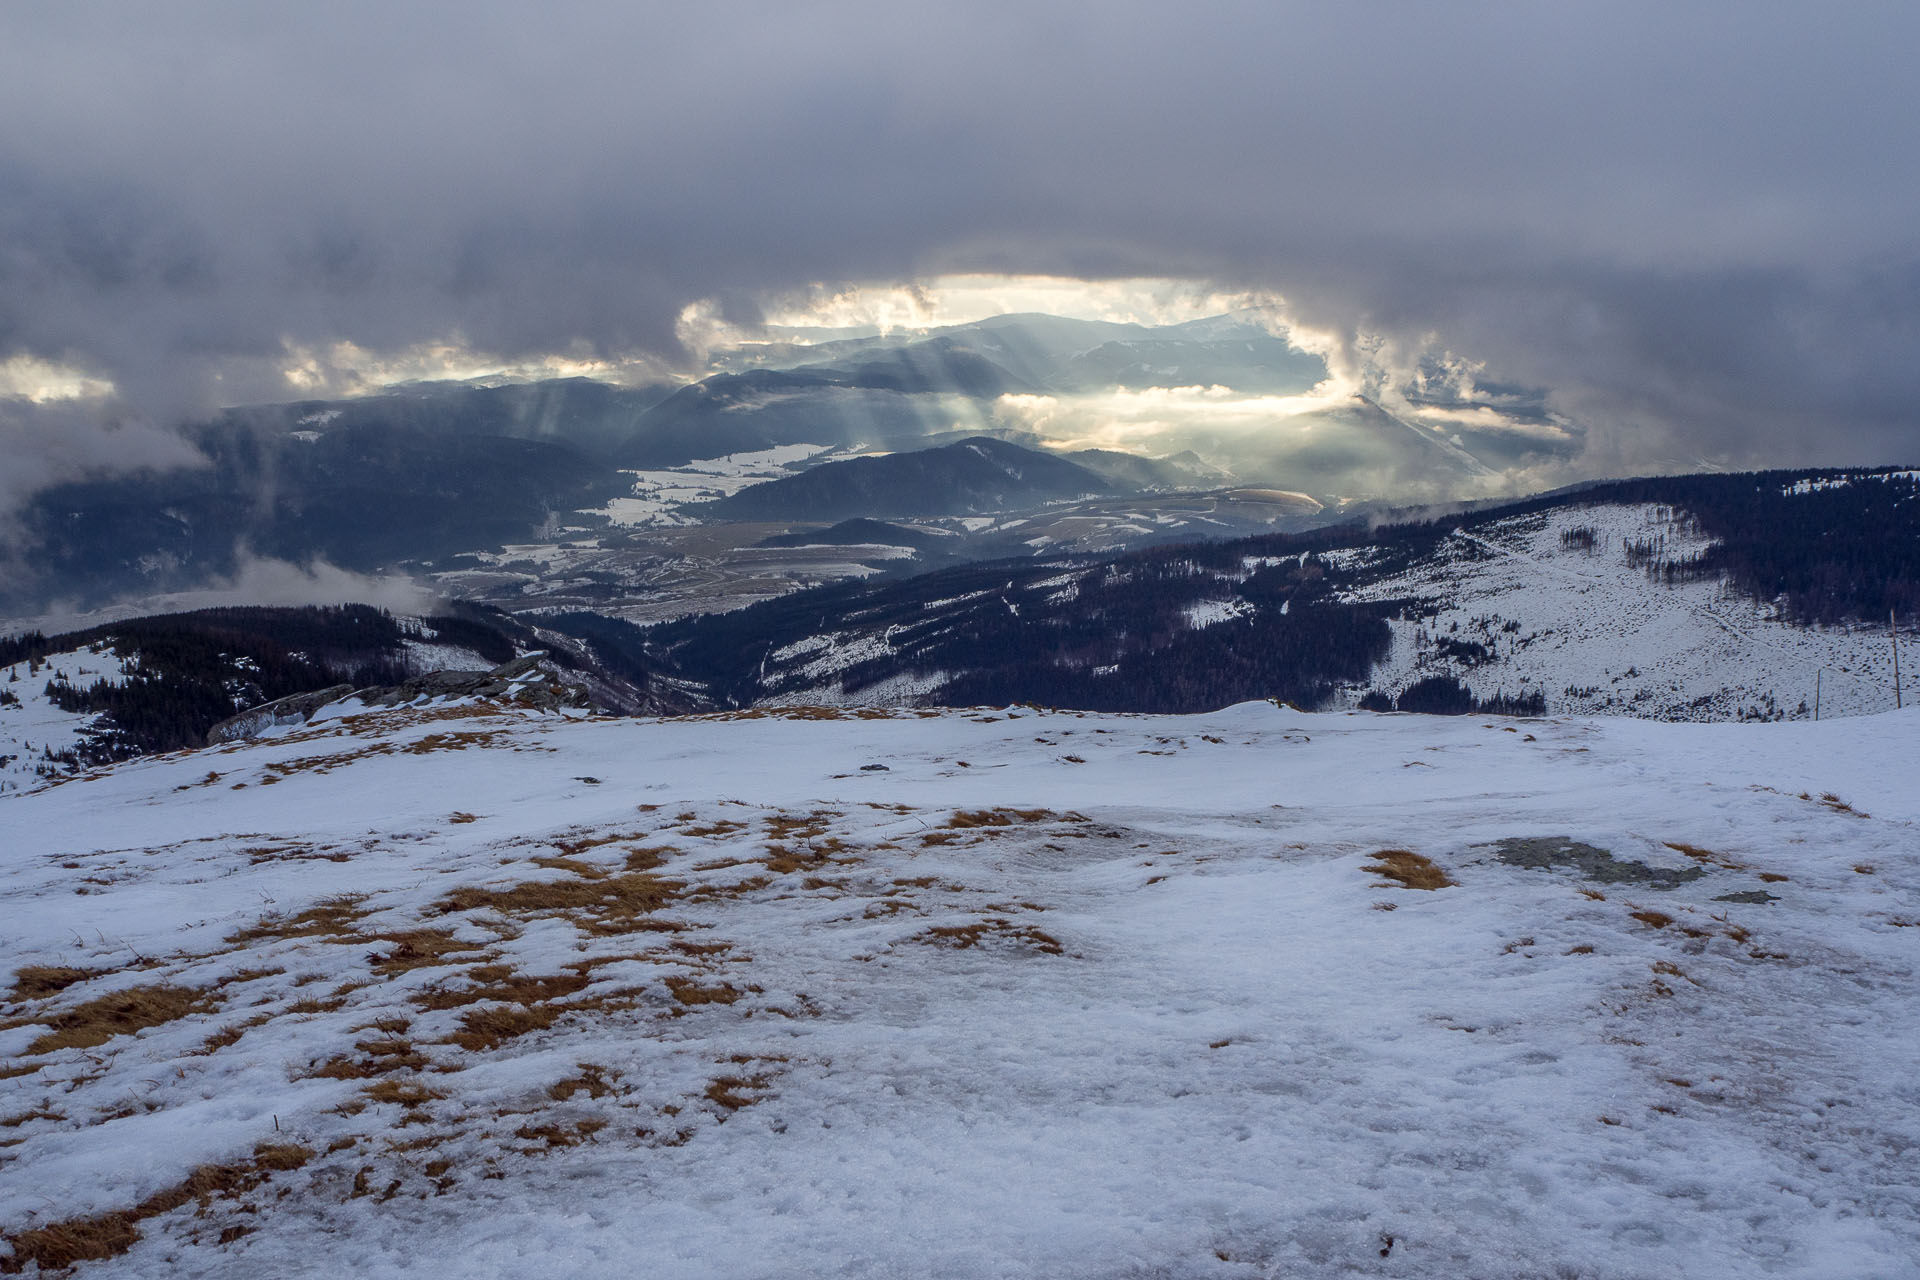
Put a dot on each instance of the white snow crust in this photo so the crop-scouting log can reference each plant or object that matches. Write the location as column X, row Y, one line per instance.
column 1174, row 1025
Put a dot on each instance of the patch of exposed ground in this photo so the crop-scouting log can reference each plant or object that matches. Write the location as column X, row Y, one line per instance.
column 1545, row 853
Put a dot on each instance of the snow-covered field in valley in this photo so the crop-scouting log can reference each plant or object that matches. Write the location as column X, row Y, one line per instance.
column 471, row 991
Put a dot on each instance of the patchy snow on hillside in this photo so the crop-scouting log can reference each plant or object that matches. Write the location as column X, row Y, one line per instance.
column 1209, row 612
column 991, row 993
column 33, row 731
column 1550, row 603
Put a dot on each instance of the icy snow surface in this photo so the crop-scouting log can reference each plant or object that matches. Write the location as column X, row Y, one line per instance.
column 1047, row 995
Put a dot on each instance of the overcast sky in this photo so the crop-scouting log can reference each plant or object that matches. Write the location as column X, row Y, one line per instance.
column 1698, row 225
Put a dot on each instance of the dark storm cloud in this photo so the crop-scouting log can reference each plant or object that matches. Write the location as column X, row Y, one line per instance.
column 1695, row 224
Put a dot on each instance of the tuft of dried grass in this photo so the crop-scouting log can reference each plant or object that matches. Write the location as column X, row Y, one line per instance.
column 497, row 982
column 98, row 1237
column 1407, row 869
column 38, row 981
column 485, row 1029
column 1652, row 919
column 719, row 827
column 334, row 919
column 690, row 991
column 585, row 870
column 965, row 818
column 281, row 1157
column 960, row 937
column 561, row 1135
column 724, row 1091
column 1707, row 856
column 403, row 1093
column 611, row 905
column 592, row 1080
column 421, row 949
column 120, row 1013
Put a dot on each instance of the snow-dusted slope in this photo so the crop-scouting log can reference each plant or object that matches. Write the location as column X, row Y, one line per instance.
column 478, row 992
column 34, row 733
column 1554, row 601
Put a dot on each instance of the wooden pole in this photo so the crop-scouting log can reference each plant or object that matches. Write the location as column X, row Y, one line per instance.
column 1816, row 692
column 1893, row 637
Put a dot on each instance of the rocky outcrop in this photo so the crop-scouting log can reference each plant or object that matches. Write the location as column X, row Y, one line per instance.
column 297, row 708
column 531, row 680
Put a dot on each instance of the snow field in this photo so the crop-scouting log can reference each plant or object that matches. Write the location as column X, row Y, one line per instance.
column 1050, row 994
column 1597, row 637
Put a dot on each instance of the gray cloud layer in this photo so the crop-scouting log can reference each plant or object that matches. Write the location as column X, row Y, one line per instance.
column 1696, row 223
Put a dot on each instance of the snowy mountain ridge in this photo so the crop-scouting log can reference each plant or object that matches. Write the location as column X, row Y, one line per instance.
column 1589, row 604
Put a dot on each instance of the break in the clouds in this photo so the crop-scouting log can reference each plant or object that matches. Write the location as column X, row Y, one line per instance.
column 1693, row 225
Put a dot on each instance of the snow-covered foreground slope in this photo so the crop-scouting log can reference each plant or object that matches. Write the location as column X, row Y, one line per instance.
column 481, row 993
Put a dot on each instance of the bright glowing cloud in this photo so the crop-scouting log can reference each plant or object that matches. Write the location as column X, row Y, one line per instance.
column 963, row 299
column 1142, row 420
column 24, row 377
column 345, row 369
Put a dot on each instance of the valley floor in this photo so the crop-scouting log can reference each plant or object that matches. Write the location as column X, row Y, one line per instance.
column 473, row 991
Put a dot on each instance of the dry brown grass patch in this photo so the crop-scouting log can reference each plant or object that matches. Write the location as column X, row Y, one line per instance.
column 421, row 949
column 497, row 982
column 555, row 1135
column 689, row 991
column 280, row 1157
column 230, row 1036
column 782, row 860
column 710, row 892
column 1707, row 856
column 38, row 981
column 455, row 741
column 1407, row 869
column 489, row 1028
column 335, row 919
column 615, row 904
column 1652, row 919
column 120, row 1013
column 585, row 870
column 402, row 1093
column 724, row 1091
column 383, row 1057
column 718, row 827
column 963, row 936
column 592, row 1080
column 97, row 1237
column 964, row 818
